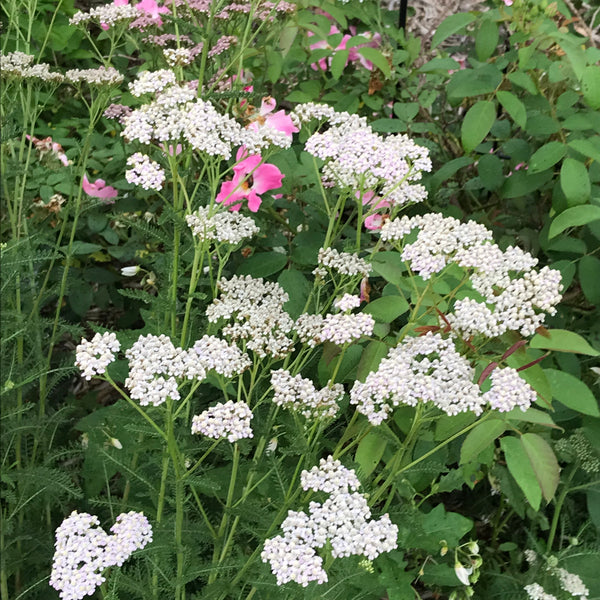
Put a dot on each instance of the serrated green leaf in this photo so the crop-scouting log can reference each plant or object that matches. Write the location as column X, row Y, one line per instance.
column 479, row 438
column 546, row 156
column 572, row 392
column 574, row 217
column 477, row 123
column 520, row 468
column 562, row 340
column 514, row 107
column 575, row 182
column 449, row 26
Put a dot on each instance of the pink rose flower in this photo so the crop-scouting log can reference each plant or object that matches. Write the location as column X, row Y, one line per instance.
column 99, row 189
column 278, row 120
column 373, row 202
column 250, row 180
column 150, row 9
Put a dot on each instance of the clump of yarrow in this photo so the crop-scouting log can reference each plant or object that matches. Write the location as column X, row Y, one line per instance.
column 18, row 66
column 430, row 369
column 516, row 297
column 93, row 356
column 221, row 226
column 83, row 550
column 229, row 419
column 252, row 310
column 342, row 522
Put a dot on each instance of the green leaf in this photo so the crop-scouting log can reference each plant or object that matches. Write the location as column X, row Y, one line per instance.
column 590, row 86
column 490, row 172
column 477, row 123
column 286, row 39
column 369, row 452
column 573, row 217
column 523, row 80
column 448, row 169
column 521, row 183
column 390, row 265
column 486, row 39
column 589, row 277
column 387, row 308
column 480, row 438
column 520, row 468
column 275, row 66
column 338, row 63
column 371, row 357
column 544, row 463
column 263, row 264
column 377, row 58
column 473, row 82
column 81, row 300
column 82, row 248
column 575, row 181
column 298, row 288
column 572, row 392
column 406, row 111
column 546, row 156
column 587, row 147
column 514, row 107
column 563, row 341
column 450, row 26
column 531, row 415
column 441, row 525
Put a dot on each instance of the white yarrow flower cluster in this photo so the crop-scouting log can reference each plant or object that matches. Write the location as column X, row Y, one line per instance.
column 344, row 328
column 154, row 365
column 92, row 357
column 84, row 550
column 300, row 395
column 572, row 583
column 357, row 158
column 144, row 172
column 420, row 369
column 347, row 302
column 224, row 226
column 17, row 65
column 152, row 82
column 516, row 297
column 509, row 390
column 107, row 14
column 219, row 356
column 343, row 521
column 230, row 420
column 100, row 77
column 256, row 309
column 536, row 592
column 345, row 263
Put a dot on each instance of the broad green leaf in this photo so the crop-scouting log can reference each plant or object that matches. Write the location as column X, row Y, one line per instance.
column 576, row 56
column 486, row 39
column 369, row 452
column 81, row 300
column 575, row 182
column 370, row 359
column 523, row 80
column 338, row 63
column 473, row 82
column 521, row 183
column 587, row 147
column 590, row 86
column 574, row 217
column 572, row 392
column 514, row 107
column 448, row 169
column 377, row 58
column 531, row 415
column 440, row 64
column 286, row 39
column 520, row 468
column 406, row 111
column 546, row 156
column 589, row 277
column 298, row 288
column 390, row 266
column 441, row 525
column 544, row 463
column 275, row 66
column 477, row 123
column 450, row 26
column 387, row 308
column 263, row 264
column 479, row 438
column 563, row 341
column 490, row 172
column 82, row 248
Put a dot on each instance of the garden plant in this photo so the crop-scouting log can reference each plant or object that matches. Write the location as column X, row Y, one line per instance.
column 296, row 305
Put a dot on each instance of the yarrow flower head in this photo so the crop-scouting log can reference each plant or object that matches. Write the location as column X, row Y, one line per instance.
column 100, row 77
column 343, row 522
column 145, row 172
column 94, row 356
column 251, row 178
column 509, row 390
column 230, row 420
column 347, row 302
column 84, row 550
column 536, row 592
column 18, row 65
column 221, row 227
column 344, row 263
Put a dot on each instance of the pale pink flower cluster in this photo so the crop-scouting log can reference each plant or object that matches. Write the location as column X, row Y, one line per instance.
column 230, row 420
column 84, row 550
column 254, row 308
column 343, row 522
column 221, row 227
column 100, row 77
column 17, row 65
column 145, row 172
column 92, row 357
column 300, row 395
column 357, row 158
column 516, row 296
